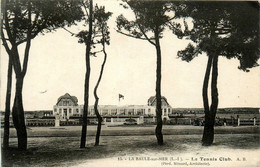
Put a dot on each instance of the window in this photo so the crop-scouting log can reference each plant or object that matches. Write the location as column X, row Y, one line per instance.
column 65, row 111
column 139, row 111
column 105, row 112
column 113, row 112
column 77, row 110
column 66, row 102
column 122, row 112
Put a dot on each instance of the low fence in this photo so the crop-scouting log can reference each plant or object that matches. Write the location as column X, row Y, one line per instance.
column 40, row 122
column 218, row 122
column 147, row 120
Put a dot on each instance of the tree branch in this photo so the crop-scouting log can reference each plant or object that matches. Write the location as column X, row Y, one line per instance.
column 35, row 33
column 171, row 19
column 35, row 20
column 5, row 43
column 222, row 33
column 28, row 43
column 31, row 36
column 14, row 50
column 146, row 37
column 7, row 28
column 85, row 8
column 94, row 53
column 72, row 34
column 130, row 35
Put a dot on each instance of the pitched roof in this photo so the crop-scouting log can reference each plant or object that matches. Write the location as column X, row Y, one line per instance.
column 68, row 96
column 153, row 98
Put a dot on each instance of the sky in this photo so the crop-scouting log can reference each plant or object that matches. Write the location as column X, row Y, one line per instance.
column 57, row 66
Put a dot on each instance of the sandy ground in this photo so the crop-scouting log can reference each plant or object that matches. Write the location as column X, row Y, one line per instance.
column 217, row 157
column 75, row 131
column 129, row 150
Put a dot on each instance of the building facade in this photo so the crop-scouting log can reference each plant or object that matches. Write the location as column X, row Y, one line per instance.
column 67, row 107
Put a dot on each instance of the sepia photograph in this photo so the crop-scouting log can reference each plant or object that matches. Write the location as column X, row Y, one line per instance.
column 130, row 83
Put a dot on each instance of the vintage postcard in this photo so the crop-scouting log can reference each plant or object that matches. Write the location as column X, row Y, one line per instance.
column 130, row 83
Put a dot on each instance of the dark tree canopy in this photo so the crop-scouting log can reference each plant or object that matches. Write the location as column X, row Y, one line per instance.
column 100, row 30
column 150, row 17
column 22, row 21
column 38, row 16
column 229, row 28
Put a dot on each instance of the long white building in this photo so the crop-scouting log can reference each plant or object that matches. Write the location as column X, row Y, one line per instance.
column 67, row 106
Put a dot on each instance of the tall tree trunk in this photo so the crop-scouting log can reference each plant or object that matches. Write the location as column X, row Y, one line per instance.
column 18, row 111
column 18, row 114
column 87, row 76
column 210, row 119
column 99, row 121
column 158, row 130
column 205, row 96
column 7, row 105
column 97, row 99
column 214, row 88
